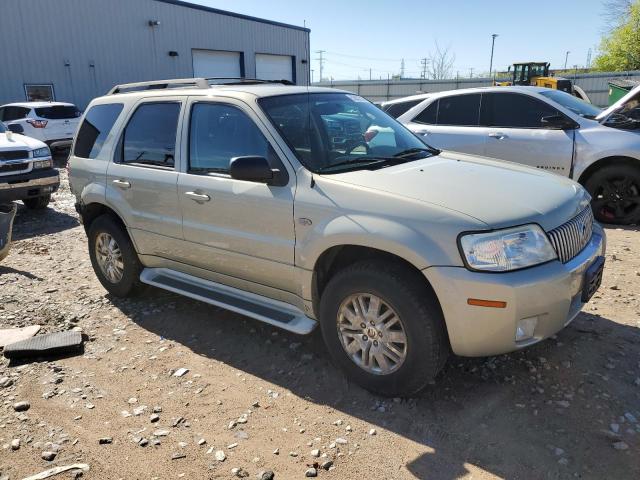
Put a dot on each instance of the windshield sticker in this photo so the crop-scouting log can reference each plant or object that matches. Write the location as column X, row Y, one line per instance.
column 358, row 99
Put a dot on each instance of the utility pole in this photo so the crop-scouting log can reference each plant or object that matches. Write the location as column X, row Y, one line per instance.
column 312, row 70
column 493, row 43
column 589, row 59
column 566, row 57
column 423, row 63
column 320, row 59
column 369, row 74
column 402, row 68
column 471, row 72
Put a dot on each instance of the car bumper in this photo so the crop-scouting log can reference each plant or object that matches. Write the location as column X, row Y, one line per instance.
column 552, row 293
column 29, row 185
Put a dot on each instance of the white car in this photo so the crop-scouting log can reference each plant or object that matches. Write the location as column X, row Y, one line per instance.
column 546, row 129
column 53, row 123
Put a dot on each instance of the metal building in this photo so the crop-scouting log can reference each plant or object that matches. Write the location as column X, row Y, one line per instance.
column 75, row 50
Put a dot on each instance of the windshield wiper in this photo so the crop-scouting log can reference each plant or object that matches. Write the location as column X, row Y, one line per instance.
column 410, row 152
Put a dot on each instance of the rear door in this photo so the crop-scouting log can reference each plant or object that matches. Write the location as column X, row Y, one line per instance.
column 58, row 121
column 452, row 123
column 515, row 132
column 142, row 178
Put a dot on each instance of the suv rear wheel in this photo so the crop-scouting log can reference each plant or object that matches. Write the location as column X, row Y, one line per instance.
column 37, row 203
column 113, row 257
column 383, row 326
column 615, row 192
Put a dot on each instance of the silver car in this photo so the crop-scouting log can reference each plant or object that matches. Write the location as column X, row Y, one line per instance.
column 547, row 129
column 277, row 202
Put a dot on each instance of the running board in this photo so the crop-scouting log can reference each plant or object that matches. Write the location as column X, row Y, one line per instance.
column 273, row 312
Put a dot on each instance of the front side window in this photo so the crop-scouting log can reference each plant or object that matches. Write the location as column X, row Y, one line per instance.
column 576, row 105
column 14, row 113
column 150, row 135
column 459, row 110
column 334, row 132
column 219, row 133
column 429, row 115
column 513, row 110
column 399, row 108
column 95, row 128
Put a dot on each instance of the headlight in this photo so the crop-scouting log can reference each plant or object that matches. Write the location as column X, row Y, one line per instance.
column 42, row 152
column 43, row 163
column 508, row 249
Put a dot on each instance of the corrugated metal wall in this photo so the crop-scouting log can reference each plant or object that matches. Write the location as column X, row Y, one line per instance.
column 84, row 47
column 594, row 84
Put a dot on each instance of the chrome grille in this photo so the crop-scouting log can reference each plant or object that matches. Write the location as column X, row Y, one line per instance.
column 14, row 154
column 570, row 238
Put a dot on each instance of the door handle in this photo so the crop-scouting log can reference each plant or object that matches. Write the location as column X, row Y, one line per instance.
column 198, row 197
column 423, row 132
column 122, row 184
column 499, row 136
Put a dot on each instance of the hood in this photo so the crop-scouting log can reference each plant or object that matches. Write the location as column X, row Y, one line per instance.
column 499, row 194
column 19, row 142
column 634, row 94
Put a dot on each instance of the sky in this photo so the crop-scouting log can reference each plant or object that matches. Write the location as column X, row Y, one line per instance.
column 359, row 35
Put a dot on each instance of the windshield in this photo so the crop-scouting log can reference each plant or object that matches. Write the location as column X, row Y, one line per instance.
column 577, row 106
column 332, row 132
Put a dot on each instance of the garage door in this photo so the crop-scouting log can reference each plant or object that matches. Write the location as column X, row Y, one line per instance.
column 213, row 63
column 274, row 67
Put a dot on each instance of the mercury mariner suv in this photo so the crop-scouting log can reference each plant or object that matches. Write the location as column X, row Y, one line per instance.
column 302, row 206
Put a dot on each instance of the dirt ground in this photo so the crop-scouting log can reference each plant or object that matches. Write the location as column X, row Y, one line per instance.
column 266, row 400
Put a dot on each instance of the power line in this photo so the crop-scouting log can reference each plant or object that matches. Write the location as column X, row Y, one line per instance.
column 321, row 61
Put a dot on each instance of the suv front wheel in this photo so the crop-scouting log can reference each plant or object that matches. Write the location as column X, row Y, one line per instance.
column 383, row 326
column 113, row 257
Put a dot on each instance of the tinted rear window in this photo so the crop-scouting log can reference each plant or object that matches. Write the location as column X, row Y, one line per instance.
column 397, row 109
column 94, row 129
column 58, row 112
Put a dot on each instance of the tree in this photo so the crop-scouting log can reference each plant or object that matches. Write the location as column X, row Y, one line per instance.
column 439, row 64
column 620, row 49
column 615, row 12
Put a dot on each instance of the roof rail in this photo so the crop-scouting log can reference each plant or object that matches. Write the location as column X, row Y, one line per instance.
column 243, row 81
column 159, row 84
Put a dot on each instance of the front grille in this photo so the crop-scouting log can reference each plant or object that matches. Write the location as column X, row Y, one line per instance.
column 13, row 167
column 570, row 238
column 14, row 155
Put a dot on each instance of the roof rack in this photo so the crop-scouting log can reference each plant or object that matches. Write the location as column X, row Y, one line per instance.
column 243, row 81
column 159, row 85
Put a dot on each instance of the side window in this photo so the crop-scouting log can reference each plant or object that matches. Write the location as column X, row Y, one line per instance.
column 14, row 113
column 150, row 136
column 95, row 128
column 459, row 110
column 429, row 115
column 218, row 133
column 513, row 110
column 397, row 109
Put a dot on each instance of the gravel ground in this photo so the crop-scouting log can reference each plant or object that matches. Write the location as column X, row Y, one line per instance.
column 254, row 399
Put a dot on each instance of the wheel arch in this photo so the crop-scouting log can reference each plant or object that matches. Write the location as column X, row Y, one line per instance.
column 605, row 162
column 94, row 210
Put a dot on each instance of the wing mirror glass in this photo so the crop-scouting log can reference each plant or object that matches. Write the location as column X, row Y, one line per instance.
column 558, row 122
column 252, row 169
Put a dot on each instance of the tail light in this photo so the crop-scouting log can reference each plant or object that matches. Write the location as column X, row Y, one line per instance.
column 37, row 123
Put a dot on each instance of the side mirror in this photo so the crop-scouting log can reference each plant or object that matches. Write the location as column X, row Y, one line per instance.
column 251, row 169
column 16, row 128
column 558, row 122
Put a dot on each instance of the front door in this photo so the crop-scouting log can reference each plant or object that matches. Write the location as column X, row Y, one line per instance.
column 142, row 178
column 515, row 132
column 240, row 229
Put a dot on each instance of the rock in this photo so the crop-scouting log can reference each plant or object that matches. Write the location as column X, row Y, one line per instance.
column 5, row 382
column 139, row 410
column 178, row 456
column 239, row 472
column 373, row 432
column 180, row 372
column 311, row 472
column 615, row 428
column 202, row 441
column 327, row 464
column 315, row 453
column 105, row 441
column 15, row 444
column 220, row 456
column 48, row 456
column 132, row 401
column 143, row 442
column 22, row 406
column 558, row 452
column 268, row 475
column 154, row 418
column 157, row 409
column 161, row 433
column 341, row 441
column 276, row 451
column 563, row 403
column 293, row 454
column 630, row 417
column 620, row 446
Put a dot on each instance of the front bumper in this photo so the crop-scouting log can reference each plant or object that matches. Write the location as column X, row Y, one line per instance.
column 551, row 292
column 36, row 183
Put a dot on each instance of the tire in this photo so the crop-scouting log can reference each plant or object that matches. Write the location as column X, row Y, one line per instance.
column 37, row 203
column 404, row 292
column 615, row 190
column 124, row 281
